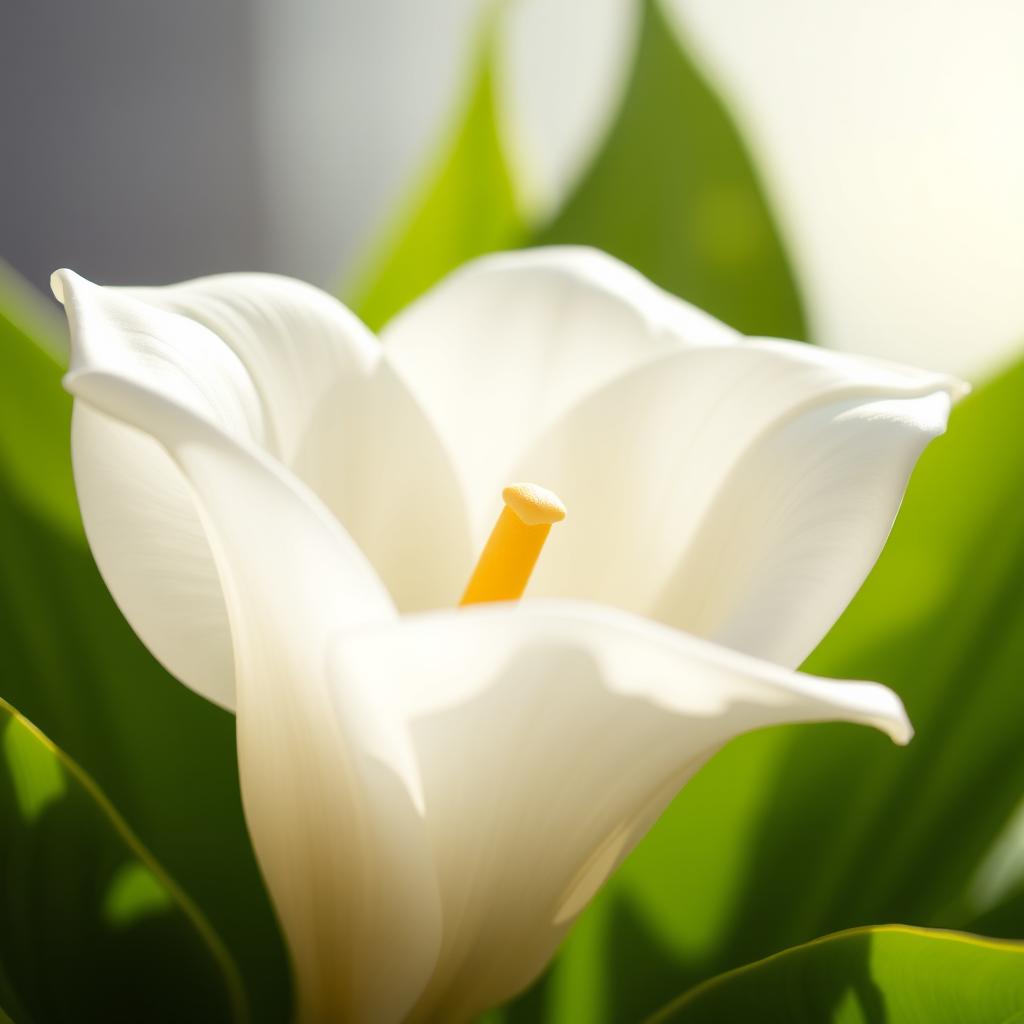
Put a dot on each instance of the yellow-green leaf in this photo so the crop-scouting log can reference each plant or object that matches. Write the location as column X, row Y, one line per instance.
column 35, row 416
column 894, row 974
column 467, row 206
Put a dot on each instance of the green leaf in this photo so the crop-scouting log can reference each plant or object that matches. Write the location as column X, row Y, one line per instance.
column 34, row 415
column 796, row 832
column 34, row 315
column 70, row 663
column 1005, row 918
column 91, row 927
column 673, row 193
column 894, row 974
column 466, row 207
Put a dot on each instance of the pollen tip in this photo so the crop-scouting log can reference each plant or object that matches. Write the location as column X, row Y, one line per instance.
column 535, row 506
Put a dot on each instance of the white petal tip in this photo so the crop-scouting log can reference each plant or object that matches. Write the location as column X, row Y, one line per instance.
column 57, row 279
column 953, row 387
column 865, row 703
column 70, row 381
column 959, row 389
column 894, row 721
column 66, row 285
column 902, row 732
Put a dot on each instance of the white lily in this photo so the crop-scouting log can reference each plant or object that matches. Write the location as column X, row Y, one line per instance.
column 287, row 512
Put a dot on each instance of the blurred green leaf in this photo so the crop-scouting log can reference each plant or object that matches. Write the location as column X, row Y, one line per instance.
column 34, row 416
column 91, row 927
column 70, row 663
column 796, row 832
column 23, row 307
column 466, row 207
column 1005, row 918
column 893, row 974
column 673, row 193
column 995, row 895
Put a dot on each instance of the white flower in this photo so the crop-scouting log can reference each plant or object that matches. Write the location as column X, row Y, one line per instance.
column 287, row 512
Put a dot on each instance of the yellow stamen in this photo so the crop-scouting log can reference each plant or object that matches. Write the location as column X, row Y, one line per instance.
column 514, row 545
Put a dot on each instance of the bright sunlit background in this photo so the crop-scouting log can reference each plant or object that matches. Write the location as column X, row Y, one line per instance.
column 148, row 141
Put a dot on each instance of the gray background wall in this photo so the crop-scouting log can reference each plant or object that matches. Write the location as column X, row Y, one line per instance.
column 128, row 138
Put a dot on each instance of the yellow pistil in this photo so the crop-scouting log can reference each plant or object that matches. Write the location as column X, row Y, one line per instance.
column 514, row 545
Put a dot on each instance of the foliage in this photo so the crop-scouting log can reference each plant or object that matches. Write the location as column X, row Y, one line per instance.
column 91, row 927
column 467, row 205
column 673, row 193
column 899, row 975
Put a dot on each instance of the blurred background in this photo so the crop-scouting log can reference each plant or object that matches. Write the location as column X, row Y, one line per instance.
column 149, row 142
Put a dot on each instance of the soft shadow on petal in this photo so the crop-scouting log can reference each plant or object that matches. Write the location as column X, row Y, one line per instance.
column 798, row 525
column 381, row 468
column 506, row 344
column 152, row 551
column 329, row 784
column 294, row 341
column 142, row 521
column 338, row 415
column 286, row 366
column 642, row 466
column 138, row 513
column 549, row 736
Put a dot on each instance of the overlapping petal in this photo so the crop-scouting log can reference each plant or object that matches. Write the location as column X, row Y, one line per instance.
column 139, row 516
column 294, row 342
column 548, row 737
column 718, row 487
column 286, row 367
column 798, row 524
column 330, row 788
column 505, row 345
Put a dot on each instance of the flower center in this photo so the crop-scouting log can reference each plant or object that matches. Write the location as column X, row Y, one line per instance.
column 514, row 545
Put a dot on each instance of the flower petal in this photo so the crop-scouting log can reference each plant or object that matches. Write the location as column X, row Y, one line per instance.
column 344, row 421
column 294, row 341
column 289, row 368
column 798, row 525
column 509, row 342
column 379, row 465
column 549, row 736
column 331, row 793
column 680, row 478
column 136, row 507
